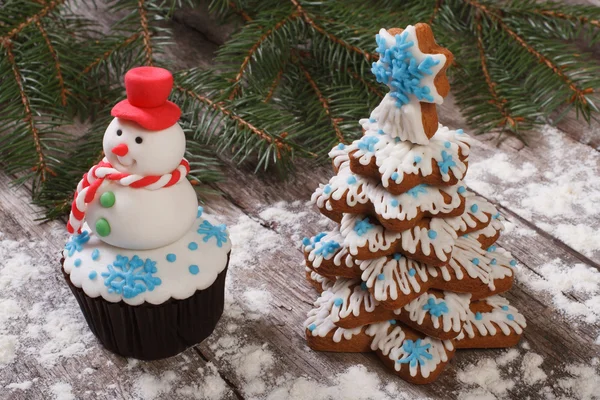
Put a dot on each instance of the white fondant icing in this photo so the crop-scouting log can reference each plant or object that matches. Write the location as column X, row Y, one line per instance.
column 489, row 322
column 177, row 281
column 320, row 322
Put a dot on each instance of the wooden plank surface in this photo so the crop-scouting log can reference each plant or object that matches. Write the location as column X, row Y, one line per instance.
column 258, row 349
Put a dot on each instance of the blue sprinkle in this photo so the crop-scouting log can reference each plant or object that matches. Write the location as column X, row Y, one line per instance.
column 505, row 308
column 397, row 256
column 200, row 211
column 447, row 145
column 513, row 263
column 171, row 257
column 363, row 285
column 351, row 180
column 394, row 203
column 371, row 120
column 312, row 327
column 93, row 275
column 95, row 254
column 475, row 261
column 77, row 262
column 394, row 176
column 432, row 234
column 397, row 140
column 496, row 216
column 327, row 189
column 478, row 316
column 306, row 241
column 465, row 235
column 193, row 246
column 493, row 262
column 341, row 146
column 460, row 131
column 194, row 269
column 491, row 248
column 412, row 272
column 392, row 321
column 380, row 277
column 461, row 189
column 417, row 159
column 381, row 132
column 474, row 208
column 338, row 302
column 319, row 237
column 510, row 317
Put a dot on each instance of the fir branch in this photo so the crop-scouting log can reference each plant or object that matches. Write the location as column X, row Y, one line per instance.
column 42, row 166
column 59, row 75
column 239, row 11
column 132, row 38
column 324, row 102
column 436, row 9
column 145, row 32
column 32, row 19
column 274, row 85
column 578, row 94
column 580, row 18
column 370, row 87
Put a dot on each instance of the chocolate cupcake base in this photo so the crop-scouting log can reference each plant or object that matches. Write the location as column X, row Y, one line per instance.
column 152, row 332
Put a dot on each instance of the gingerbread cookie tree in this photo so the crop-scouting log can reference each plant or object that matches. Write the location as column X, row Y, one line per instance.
column 411, row 272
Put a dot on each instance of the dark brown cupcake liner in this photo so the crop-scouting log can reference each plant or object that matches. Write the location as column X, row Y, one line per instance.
column 149, row 331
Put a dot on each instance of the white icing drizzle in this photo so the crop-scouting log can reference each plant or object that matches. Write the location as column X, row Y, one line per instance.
column 477, row 262
column 391, row 344
column 325, row 282
column 343, row 185
column 397, row 276
column 353, row 296
column 339, row 155
column 406, row 206
column 320, row 323
column 442, row 244
column 379, row 145
column 503, row 316
column 491, row 230
column 477, row 211
column 377, row 238
column 403, row 122
column 457, row 306
column 340, row 256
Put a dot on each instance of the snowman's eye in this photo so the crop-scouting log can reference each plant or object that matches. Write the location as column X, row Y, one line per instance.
column 139, row 140
column 119, row 132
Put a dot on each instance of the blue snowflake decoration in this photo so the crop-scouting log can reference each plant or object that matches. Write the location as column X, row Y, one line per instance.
column 76, row 242
column 415, row 353
column 435, row 309
column 414, row 192
column 327, row 248
column 217, row 231
column 363, row 226
column 367, row 143
column 446, row 162
column 130, row 277
column 398, row 68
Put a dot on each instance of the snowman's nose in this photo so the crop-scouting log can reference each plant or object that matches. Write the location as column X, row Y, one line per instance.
column 120, row 149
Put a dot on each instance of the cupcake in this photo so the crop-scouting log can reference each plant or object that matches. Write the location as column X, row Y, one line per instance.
column 145, row 263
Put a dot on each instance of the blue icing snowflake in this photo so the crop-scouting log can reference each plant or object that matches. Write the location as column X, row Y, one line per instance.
column 398, row 68
column 415, row 353
column 414, row 192
column 217, row 231
column 363, row 226
column 446, row 162
column 131, row 277
column 435, row 309
column 327, row 248
column 367, row 143
column 76, row 243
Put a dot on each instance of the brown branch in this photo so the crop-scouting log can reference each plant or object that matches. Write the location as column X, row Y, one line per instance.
column 108, row 53
column 324, row 102
column 579, row 94
column 581, row 19
column 239, row 11
column 36, row 17
column 369, row 86
column 497, row 101
column 368, row 56
column 239, row 120
column 274, row 86
column 61, row 81
column 436, row 9
column 42, row 166
column 145, row 32
column 240, row 74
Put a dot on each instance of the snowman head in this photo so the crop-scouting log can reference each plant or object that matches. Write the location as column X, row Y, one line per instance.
column 133, row 149
column 145, row 138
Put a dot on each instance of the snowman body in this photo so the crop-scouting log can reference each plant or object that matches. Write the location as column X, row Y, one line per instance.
column 148, row 217
column 142, row 219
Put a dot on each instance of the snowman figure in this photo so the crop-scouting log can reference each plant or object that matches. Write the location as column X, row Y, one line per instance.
column 138, row 197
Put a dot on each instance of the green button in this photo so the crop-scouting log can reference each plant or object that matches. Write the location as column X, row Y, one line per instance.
column 107, row 199
column 102, row 227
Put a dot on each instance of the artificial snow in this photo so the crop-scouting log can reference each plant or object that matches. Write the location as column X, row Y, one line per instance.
column 62, row 391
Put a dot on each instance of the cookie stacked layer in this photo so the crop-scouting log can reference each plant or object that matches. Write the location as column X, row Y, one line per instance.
column 411, row 272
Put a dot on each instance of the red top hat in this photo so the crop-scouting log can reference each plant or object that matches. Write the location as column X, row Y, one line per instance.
column 147, row 91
